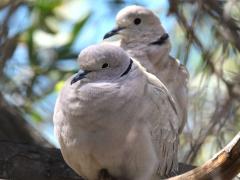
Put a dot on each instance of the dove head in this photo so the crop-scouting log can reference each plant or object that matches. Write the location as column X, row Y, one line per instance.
column 135, row 22
column 102, row 62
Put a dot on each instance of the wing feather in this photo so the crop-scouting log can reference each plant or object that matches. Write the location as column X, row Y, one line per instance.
column 164, row 126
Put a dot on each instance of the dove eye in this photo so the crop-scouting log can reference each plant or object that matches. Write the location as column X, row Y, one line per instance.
column 137, row 21
column 105, row 65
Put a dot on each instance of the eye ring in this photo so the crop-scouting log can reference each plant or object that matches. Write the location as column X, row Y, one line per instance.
column 105, row 65
column 137, row 21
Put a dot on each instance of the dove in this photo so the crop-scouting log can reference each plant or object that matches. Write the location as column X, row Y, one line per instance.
column 114, row 118
column 144, row 38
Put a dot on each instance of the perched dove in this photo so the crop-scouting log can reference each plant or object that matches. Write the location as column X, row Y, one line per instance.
column 115, row 117
column 144, row 38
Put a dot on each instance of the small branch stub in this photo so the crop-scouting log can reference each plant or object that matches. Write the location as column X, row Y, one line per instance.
column 224, row 165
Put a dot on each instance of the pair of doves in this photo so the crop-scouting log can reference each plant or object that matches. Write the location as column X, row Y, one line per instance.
column 120, row 118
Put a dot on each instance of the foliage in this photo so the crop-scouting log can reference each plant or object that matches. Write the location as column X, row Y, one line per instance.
column 38, row 52
column 209, row 40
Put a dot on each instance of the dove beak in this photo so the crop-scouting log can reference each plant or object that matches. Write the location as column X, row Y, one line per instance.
column 80, row 75
column 113, row 32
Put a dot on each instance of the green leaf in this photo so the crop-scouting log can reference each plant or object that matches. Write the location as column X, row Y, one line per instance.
column 77, row 27
column 59, row 86
column 36, row 116
column 63, row 50
column 47, row 5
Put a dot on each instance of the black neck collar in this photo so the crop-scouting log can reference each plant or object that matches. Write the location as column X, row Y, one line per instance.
column 128, row 68
column 160, row 40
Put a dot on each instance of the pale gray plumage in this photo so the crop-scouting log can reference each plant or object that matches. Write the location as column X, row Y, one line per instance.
column 116, row 119
column 138, row 39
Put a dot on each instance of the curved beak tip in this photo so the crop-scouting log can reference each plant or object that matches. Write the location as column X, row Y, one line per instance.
column 79, row 76
column 107, row 35
column 113, row 32
column 74, row 80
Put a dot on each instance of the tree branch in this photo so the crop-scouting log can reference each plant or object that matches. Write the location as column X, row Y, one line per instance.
column 24, row 161
column 15, row 128
column 224, row 165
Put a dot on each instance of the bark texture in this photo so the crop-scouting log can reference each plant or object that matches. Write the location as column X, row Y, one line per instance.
column 20, row 161
column 25, row 162
column 223, row 165
column 15, row 128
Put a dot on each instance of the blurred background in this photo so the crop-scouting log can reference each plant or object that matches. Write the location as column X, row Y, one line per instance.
column 40, row 41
